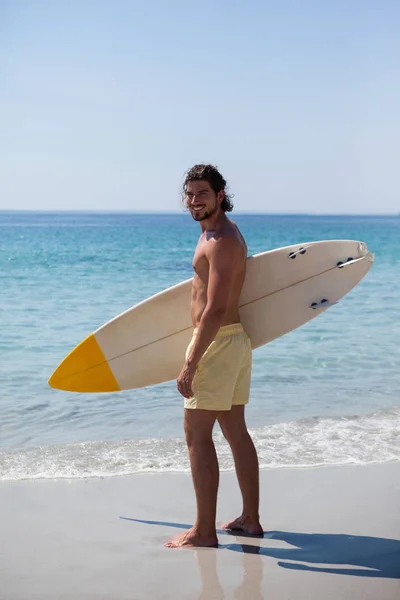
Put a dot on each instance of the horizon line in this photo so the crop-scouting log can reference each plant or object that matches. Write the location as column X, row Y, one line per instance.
column 177, row 212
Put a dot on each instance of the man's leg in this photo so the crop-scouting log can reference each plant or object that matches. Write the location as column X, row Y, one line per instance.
column 233, row 426
column 205, row 472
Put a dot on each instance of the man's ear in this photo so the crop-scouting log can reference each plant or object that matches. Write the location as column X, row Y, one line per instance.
column 221, row 196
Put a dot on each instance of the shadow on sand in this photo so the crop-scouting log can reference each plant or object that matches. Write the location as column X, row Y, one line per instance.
column 363, row 556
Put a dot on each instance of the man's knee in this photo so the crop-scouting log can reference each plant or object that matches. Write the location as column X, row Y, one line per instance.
column 233, row 426
column 235, row 436
column 198, row 430
column 194, row 436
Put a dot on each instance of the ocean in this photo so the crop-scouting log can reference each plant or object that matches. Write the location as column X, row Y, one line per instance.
column 325, row 394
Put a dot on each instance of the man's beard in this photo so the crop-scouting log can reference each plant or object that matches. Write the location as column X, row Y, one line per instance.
column 206, row 215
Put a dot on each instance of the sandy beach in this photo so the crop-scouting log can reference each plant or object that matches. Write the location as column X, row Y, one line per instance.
column 329, row 532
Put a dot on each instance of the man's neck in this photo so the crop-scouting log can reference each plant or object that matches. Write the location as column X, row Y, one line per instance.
column 214, row 223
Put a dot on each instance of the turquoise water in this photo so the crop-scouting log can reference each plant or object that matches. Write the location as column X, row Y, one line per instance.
column 327, row 393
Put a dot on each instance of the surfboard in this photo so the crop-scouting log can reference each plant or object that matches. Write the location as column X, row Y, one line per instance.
column 145, row 345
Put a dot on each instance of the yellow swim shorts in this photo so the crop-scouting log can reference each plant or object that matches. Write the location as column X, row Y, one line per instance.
column 223, row 374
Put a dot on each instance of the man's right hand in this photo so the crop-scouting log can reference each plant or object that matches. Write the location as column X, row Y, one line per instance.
column 185, row 380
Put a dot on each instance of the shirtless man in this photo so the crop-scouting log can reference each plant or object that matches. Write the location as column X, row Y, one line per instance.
column 215, row 378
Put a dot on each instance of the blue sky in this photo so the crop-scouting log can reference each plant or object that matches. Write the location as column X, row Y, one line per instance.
column 105, row 105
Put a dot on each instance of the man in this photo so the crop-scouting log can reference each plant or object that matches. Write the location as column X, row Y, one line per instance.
column 215, row 378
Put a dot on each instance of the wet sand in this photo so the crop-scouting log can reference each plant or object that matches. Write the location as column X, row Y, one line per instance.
column 331, row 533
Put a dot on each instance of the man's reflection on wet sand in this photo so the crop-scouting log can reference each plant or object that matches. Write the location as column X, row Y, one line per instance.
column 250, row 586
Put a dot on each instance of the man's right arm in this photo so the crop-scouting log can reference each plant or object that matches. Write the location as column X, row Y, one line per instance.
column 222, row 258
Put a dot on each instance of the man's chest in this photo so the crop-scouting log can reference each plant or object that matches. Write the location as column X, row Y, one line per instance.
column 200, row 261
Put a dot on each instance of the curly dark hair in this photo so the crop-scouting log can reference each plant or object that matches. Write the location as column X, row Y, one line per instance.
column 213, row 176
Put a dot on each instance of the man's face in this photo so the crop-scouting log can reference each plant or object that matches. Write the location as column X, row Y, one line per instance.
column 201, row 200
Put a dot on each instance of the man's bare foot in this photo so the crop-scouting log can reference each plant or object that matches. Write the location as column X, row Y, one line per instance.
column 192, row 538
column 244, row 524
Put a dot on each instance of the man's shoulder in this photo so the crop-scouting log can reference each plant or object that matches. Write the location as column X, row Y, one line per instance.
column 228, row 238
column 226, row 245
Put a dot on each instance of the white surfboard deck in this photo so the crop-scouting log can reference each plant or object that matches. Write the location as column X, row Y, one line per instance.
column 146, row 345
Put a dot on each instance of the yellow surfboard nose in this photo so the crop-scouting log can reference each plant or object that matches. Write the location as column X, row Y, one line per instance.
column 85, row 369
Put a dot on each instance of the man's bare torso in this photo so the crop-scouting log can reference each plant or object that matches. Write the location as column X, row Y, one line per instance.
column 201, row 272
